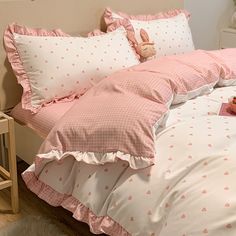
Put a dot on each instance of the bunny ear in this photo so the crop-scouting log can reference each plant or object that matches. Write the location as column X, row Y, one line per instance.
column 131, row 37
column 144, row 35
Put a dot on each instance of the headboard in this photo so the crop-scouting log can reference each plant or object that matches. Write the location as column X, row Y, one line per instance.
column 72, row 16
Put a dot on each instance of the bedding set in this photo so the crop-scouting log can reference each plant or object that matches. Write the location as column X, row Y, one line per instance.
column 142, row 150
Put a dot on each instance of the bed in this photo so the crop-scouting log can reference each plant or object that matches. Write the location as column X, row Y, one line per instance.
column 148, row 137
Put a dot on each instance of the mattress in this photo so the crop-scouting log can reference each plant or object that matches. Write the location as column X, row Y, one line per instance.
column 44, row 120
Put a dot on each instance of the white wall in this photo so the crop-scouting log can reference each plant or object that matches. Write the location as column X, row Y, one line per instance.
column 208, row 17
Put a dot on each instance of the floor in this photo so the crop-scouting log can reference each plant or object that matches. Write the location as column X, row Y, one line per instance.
column 30, row 204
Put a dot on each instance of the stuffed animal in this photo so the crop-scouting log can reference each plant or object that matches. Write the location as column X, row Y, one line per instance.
column 146, row 49
column 232, row 104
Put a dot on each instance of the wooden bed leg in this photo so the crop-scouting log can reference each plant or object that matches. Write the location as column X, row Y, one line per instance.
column 12, row 166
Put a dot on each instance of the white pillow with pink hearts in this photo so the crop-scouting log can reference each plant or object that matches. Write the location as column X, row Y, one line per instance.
column 56, row 67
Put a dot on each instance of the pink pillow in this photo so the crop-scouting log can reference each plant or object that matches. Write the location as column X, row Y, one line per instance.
column 168, row 31
column 51, row 66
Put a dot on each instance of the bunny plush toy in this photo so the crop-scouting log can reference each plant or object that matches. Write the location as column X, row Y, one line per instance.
column 146, row 49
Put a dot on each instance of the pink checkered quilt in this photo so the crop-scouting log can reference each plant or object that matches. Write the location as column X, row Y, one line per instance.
column 118, row 118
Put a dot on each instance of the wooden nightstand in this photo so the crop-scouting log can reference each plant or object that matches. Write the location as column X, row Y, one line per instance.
column 228, row 38
column 9, row 177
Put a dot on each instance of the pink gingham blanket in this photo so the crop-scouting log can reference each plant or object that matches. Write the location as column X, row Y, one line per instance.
column 118, row 118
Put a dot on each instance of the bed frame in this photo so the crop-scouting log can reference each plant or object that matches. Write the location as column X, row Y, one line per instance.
column 81, row 17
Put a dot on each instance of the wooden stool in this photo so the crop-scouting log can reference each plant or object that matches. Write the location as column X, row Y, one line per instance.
column 9, row 177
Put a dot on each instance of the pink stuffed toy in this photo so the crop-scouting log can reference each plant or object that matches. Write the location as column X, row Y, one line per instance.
column 146, row 50
column 232, row 104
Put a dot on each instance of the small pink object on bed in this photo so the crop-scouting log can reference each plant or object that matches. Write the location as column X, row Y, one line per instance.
column 233, row 107
column 232, row 104
column 226, row 110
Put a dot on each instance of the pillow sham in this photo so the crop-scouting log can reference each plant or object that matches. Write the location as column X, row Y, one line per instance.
column 169, row 31
column 52, row 66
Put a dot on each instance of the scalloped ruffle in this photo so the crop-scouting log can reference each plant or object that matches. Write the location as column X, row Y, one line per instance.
column 108, row 17
column 95, row 32
column 119, row 23
column 16, row 63
column 134, row 162
column 97, row 224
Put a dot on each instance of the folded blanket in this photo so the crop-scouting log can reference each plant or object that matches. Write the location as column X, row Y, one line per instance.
column 118, row 118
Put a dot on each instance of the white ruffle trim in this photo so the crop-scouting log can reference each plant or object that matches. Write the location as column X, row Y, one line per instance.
column 96, row 158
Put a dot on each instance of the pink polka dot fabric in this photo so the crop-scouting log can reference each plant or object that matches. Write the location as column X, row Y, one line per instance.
column 52, row 66
column 169, row 31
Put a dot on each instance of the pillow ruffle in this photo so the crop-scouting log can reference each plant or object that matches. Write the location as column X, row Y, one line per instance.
column 95, row 32
column 125, row 23
column 109, row 19
column 121, row 23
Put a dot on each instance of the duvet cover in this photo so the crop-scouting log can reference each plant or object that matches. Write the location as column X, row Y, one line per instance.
column 124, row 161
